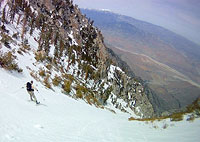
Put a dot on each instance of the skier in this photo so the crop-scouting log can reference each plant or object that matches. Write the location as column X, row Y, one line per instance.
column 30, row 89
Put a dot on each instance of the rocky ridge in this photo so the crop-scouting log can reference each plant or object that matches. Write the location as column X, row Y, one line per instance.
column 71, row 55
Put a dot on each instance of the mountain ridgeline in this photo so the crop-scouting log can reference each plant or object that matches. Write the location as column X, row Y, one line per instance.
column 70, row 54
column 168, row 62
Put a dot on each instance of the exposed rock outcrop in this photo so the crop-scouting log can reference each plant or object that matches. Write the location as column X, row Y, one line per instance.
column 71, row 47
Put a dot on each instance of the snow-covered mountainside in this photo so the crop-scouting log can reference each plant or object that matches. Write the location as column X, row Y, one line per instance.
column 60, row 118
column 85, row 94
column 59, row 47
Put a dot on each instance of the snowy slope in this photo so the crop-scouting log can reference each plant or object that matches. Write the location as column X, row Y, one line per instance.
column 82, row 68
column 62, row 119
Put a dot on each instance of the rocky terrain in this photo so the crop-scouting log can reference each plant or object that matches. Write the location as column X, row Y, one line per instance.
column 169, row 63
column 70, row 54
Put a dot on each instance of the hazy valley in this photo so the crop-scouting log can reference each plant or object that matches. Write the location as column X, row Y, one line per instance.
column 169, row 63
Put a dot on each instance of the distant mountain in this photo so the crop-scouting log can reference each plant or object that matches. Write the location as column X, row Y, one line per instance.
column 168, row 62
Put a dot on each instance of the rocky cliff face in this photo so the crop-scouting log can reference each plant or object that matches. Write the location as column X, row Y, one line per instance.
column 147, row 48
column 70, row 54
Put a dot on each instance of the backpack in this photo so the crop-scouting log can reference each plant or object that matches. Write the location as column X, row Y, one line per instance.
column 28, row 86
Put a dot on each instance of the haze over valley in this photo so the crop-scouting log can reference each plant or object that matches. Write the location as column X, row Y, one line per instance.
column 168, row 62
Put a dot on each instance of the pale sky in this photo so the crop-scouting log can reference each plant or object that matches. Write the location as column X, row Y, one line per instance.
column 180, row 16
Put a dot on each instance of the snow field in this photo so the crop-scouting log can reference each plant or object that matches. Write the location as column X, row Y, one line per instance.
column 60, row 118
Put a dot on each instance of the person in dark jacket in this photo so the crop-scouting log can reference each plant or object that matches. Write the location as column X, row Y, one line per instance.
column 30, row 89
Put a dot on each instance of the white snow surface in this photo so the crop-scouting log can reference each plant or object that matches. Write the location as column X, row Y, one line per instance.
column 60, row 118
